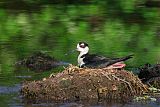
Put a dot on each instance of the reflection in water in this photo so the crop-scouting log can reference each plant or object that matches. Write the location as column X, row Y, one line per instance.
column 40, row 62
column 91, row 104
column 111, row 27
column 7, row 90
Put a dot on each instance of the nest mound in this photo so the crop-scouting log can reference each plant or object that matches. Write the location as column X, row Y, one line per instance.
column 150, row 74
column 149, row 71
column 83, row 83
column 154, row 82
column 39, row 62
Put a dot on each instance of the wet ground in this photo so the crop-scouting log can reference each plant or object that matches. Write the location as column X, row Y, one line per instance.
column 112, row 29
column 14, row 100
column 10, row 96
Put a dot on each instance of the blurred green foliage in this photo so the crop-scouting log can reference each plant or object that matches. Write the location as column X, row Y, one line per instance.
column 111, row 27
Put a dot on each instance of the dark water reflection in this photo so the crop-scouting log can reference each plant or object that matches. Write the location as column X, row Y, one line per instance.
column 111, row 28
column 91, row 104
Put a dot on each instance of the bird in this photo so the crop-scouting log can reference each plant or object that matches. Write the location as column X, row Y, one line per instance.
column 96, row 61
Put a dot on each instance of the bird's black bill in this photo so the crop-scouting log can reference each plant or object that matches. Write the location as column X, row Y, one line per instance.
column 70, row 52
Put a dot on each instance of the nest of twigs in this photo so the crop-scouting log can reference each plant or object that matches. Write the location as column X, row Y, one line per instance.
column 154, row 82
column 83, row 83
column 149, row 71
column 150, row 74
column 38, row 62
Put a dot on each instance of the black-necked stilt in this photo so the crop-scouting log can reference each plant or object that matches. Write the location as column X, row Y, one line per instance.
column 95, row 61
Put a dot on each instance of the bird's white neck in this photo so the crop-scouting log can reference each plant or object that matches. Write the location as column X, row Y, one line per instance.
column 82, row 53
column 80, row 58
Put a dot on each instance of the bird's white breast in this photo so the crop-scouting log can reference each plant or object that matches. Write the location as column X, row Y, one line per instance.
column 80, row 60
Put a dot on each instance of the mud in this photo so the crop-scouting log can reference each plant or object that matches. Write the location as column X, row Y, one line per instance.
column 82, row 83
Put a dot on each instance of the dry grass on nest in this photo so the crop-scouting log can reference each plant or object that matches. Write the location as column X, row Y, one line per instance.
column 82, row 83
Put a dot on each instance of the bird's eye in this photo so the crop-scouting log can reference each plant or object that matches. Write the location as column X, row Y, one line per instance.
column 82, row 46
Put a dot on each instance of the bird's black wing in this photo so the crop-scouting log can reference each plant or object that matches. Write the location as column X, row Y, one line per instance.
column 95, row 60
column 101, row 61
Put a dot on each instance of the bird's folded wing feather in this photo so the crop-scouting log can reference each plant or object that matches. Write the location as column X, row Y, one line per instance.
column 97, row 60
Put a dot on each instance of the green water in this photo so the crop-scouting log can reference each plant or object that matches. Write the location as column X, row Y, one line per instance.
column 112, row 28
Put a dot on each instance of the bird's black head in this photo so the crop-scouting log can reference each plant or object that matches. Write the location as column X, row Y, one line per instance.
column 83, row 44
column 82, row 47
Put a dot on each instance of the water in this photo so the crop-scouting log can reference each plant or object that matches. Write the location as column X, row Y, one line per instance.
column 112, row 28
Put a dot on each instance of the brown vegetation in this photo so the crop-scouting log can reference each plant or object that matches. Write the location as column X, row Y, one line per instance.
column 150, row 74
column 39, row 62
column 82, row 83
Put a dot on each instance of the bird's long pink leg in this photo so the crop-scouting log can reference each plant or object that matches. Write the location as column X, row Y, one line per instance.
column 117, row 65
